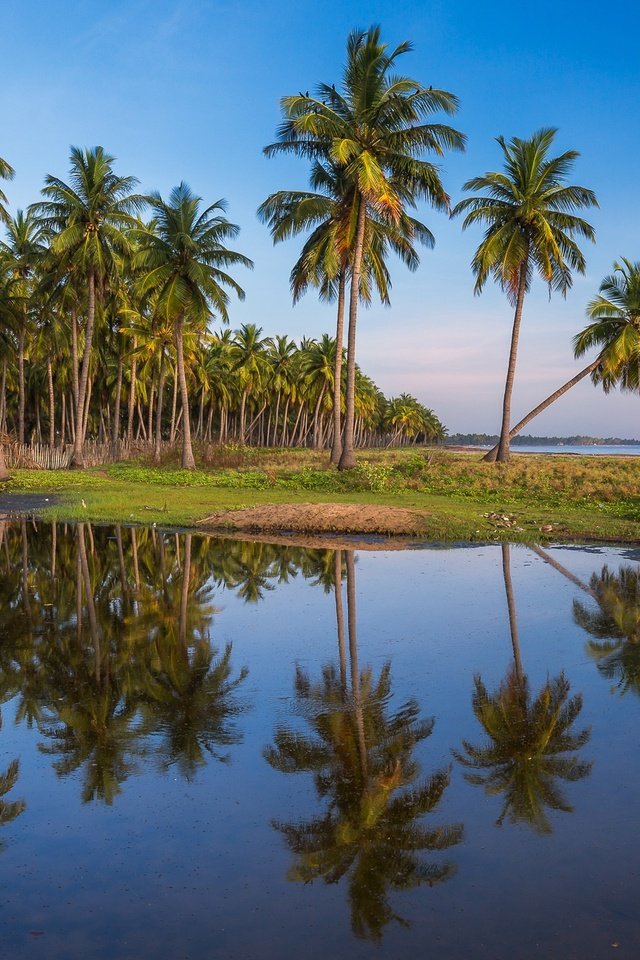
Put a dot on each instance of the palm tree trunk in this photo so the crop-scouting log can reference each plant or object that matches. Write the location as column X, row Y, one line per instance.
column 316, row 416
column 491, row 455
column 116, row 411
column 503, row 446
column 188, row 461
column 3, row 398
column 511, row 606
column 52, row 405
column 174, row 404
column 21, row 338
column 4, row 473
column 347, row 457
column 77, row 458
column 132, row 394
column 74, row 356
column 158, row 437
column 184, row 593
column 243, row 414
column 336, row 448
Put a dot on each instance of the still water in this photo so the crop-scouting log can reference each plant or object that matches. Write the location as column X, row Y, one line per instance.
column 218, row 749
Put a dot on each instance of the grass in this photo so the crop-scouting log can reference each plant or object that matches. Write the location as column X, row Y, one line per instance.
column 578, row 498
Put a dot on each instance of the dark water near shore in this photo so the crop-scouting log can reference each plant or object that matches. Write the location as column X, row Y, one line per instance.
column 209, row 751
column 611, row 450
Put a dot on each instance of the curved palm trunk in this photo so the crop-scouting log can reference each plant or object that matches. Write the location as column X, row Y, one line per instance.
column 511, row 605
column 347, row 458
column 77, row 458
column 132, row 394
column 503, row 446
column 491, row 455
column 243, row 415
column 188, row 461
column 336, row 448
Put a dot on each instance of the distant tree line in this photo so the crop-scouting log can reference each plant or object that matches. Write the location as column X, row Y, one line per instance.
column 525, row 439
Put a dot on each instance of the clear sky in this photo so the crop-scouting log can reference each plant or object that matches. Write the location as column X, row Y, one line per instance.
column 189, row 90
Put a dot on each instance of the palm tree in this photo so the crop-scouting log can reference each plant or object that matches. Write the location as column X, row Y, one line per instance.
column 87, row 219
column 20, row 254
column 615, row 329
column 375, row 129
column 530, row 229
column 6, row 173
column 249, row 358
column 183, row 257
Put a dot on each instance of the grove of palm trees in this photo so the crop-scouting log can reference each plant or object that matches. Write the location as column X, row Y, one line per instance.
column 117, row 337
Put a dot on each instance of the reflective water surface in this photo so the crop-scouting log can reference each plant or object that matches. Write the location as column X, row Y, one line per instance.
column 221, row 749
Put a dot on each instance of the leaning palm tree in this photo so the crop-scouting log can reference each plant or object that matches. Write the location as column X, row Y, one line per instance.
column 375, row 128
column 87, row 219
column 183, row 258
column 615, row 330
column 531, row 227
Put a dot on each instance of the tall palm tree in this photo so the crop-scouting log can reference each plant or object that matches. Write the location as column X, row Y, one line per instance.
column 528, row 210
column 6, row 173
column 87, row 219
column 374, row 128
column 183, row 258
column 20, row 254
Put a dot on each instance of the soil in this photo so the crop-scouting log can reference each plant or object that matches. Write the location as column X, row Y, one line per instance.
column 318, row 518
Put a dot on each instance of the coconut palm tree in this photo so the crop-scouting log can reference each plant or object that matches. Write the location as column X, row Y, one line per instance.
column 183, row 258
column 375, row 128
column 614, row 329
column 531, row 229
column 6, row 173
column 87, row 219
column 20, row 254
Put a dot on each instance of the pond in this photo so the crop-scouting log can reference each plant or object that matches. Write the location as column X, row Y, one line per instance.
column 223, row 749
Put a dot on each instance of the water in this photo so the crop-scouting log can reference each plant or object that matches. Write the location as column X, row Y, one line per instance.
column 208, row 752
column 604, row 450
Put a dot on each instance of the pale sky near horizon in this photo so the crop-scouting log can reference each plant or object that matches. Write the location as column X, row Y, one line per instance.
column 189, row 90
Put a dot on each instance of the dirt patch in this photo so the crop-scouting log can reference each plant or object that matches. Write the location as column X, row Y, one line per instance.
column 319, row 518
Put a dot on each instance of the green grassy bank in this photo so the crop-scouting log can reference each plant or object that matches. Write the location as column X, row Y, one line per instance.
column 534, row 497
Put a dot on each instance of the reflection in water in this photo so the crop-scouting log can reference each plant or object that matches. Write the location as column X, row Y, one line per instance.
column 9, row 809
column 360, row 753
column 615, row 624
column 530, row 738
column 111, row 655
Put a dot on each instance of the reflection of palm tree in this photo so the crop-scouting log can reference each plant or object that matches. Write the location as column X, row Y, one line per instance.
column 527, row 750
column 615, row 625
column 190, row 705
column 529, row 739
column 360, row 754
column 9, row 809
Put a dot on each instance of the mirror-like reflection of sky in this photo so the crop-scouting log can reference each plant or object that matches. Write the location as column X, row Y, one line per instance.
column 204, row 756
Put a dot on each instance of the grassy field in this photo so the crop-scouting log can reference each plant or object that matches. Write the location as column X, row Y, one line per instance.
column 535, row 497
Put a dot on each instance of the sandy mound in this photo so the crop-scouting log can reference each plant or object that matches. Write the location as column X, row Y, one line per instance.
column 333, row 518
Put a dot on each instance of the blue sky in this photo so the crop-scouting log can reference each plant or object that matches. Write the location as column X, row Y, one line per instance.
column 190, row 90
